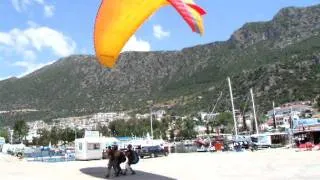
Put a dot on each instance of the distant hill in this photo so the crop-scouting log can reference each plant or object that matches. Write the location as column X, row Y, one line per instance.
column 280, row 59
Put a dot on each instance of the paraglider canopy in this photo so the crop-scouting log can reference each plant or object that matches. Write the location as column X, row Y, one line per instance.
column 118, row 20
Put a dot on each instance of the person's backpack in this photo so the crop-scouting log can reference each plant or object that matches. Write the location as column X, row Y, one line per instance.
column 135, row 157
column 122, row 157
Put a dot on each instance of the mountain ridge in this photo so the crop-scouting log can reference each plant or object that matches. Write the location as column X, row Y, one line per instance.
column 78, row 84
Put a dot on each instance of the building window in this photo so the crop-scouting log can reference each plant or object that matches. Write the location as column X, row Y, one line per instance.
column 80, row 146
column 93, row 146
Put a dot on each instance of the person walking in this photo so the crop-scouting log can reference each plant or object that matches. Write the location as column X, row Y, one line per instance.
column 111, row 163
column 117, row 160
column 130, row 155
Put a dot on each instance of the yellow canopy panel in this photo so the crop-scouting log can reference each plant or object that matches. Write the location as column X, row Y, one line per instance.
column 118, row 20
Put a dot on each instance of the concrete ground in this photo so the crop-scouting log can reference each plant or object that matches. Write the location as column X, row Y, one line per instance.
column 262, row 165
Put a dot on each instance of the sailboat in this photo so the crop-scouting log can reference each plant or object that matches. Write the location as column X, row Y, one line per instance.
column 233, row 111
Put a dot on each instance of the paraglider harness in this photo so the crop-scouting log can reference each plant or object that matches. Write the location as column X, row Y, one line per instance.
column 122, row 157
column 135, row 157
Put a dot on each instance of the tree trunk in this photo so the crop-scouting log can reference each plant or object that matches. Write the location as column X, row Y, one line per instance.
column 244, row 122
column 207, row 128
column 253, row 127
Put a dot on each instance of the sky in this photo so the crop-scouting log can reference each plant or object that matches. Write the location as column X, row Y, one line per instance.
column 35, row 33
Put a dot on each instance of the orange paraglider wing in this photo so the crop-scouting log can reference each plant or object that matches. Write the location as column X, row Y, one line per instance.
column 191, row 13
column 197, row 8
column 118, row 20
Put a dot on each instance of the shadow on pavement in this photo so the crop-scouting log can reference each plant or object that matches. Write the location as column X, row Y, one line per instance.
column 100, row 172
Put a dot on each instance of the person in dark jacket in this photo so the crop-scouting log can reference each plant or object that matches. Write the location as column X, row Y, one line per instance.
column 130, row 156
column 111, row 163
column 117, row 160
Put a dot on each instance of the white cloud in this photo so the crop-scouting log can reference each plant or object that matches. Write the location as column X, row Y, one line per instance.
column 48, row 10
column 22, row 5
column 159, row 33
column 39, row 1
column 29, row 55
column 135, row 44
column 38, row 38
column 30, row 66
column 46, row 37
column 28, row 42
column 32, row 24
column 15, row 4
column 5, row 38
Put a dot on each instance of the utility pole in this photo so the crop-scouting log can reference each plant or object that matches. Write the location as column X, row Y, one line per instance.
column 291, row 127
column 234, row 116
column 291, row 118
column 254, row 112
column 11, row 135
column 274, row 116
column 75, row 133
column 151, row 121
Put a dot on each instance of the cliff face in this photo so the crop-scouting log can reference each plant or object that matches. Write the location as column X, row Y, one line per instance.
column 290, row 25
column 279, row 59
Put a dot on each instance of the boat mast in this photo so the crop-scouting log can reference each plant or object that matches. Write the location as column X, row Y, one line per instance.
column 254, row 112
column 214, row 107
column 233, row 112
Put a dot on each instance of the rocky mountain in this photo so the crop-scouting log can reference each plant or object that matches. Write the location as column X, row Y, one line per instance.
column 279, row 59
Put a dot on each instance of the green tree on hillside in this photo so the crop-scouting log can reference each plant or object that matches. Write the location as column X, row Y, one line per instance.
column 44, row 138
column 67, row 135
column 104, row 130
column 164, row 126
column 225, row 119
column 80, row 133
column 4, row 133
column 243, row 110
column 54, row 135
column 188, row 131
column 21, row 129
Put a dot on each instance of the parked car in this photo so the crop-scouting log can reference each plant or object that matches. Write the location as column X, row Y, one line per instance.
column 152, row 151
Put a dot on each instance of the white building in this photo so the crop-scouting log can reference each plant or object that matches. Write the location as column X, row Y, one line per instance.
column 32, row 134
column 205, row 116
column 201, row 130
column 286, row 110
column 104, row 116
column 159, row 114
column 33, row 128
column 143, row 116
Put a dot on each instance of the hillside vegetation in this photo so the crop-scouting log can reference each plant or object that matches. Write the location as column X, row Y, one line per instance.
column 279, row 59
